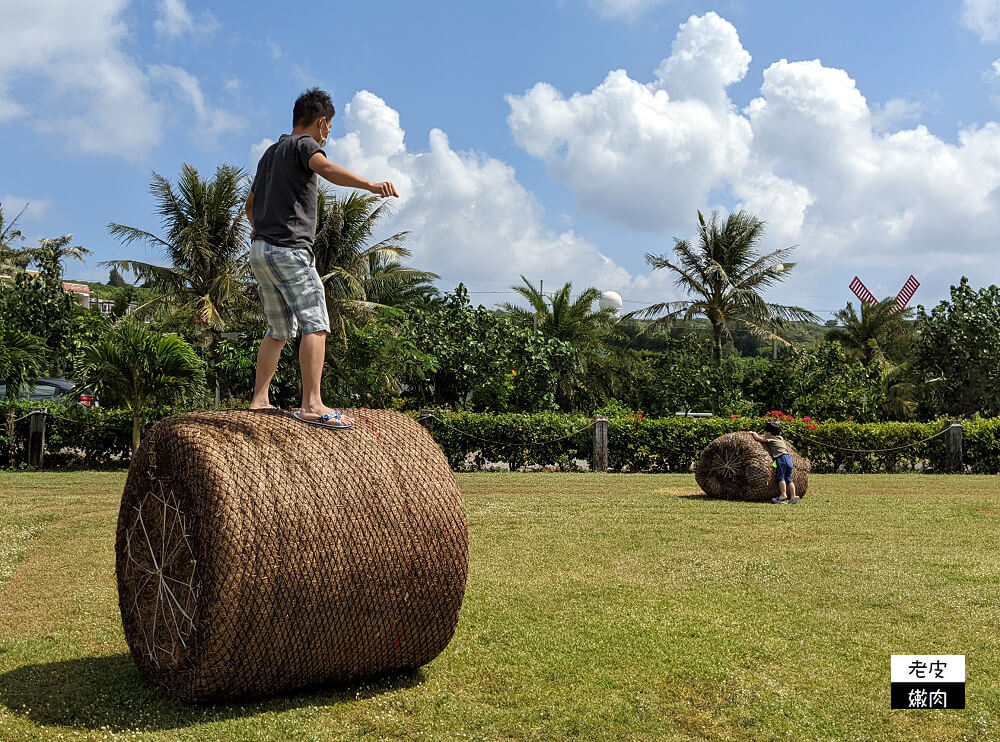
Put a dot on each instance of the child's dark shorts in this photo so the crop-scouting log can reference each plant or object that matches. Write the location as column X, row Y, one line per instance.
column 785, row 466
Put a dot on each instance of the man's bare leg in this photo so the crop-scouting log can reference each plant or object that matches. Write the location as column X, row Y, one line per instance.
column 267, row 365
column 312, row 354
column 791, row 491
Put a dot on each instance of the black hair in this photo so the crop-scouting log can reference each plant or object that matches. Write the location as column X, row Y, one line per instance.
column 773, row 427
column 311, row 105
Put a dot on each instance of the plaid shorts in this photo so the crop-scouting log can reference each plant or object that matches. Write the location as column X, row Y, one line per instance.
column 290, row 290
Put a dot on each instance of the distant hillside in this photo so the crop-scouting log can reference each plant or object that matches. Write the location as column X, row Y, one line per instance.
column 104, row 291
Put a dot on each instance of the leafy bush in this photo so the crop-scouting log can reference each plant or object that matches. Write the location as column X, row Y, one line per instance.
column 520, row 439
column 673, row 444
column 981, row 445
column 75, row 435
column 958, row 353
column 825, row 446
column 234, row 363
column 102, row 437
column 483, row 359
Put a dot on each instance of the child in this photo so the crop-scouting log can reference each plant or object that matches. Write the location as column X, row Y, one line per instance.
column 778, row 448
column 282, row 209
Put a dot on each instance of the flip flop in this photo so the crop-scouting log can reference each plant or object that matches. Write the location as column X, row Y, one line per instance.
column 263, row 409
column 331, row 420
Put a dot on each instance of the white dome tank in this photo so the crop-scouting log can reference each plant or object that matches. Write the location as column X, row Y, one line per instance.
column 610, row 300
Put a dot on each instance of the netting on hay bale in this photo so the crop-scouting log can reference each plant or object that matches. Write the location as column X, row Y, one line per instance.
column 736, row 467
column 258, row 555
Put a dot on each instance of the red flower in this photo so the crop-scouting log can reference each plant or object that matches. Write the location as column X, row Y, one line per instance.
column 734, row 416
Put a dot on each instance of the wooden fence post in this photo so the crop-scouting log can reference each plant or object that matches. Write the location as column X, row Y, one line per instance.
column 36, row 438
column 10, row 436
column 427, row 419
column 953, row 448
column 600, row 462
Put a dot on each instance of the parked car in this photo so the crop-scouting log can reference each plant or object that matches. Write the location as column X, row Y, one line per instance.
column 54, row 390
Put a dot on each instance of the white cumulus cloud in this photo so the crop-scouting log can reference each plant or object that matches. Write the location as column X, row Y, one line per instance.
column 622, row 8
column 175, row 20
column 983, row 18
column 705, row 58
column 646, row 154
column 212, row 121
column 66, row 56
column 257, row 151
column 470, row 218
column 34, row 209
column 876, row 197
column 861, row 187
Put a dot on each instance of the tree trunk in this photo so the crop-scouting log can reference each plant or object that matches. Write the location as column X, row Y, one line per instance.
column 135, row 431
column 717, row 343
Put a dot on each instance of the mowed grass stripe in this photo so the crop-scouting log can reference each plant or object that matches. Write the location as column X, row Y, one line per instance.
column 598, row 607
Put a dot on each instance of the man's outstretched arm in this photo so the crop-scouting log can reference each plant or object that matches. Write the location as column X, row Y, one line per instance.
column 337, row 175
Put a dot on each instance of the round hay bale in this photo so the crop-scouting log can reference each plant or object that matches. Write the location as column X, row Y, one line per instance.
column 736, row 467
column 258, row 555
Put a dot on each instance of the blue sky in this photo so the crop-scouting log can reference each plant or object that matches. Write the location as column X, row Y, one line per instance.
column 559, row 139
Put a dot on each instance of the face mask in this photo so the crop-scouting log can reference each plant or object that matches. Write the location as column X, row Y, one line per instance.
column 324, row 140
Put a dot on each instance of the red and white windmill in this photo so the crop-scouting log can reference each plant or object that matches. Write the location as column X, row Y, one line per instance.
column 902, row 298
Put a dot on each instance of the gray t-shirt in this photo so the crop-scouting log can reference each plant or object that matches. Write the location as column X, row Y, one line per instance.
column 285, row 192
column 776, row 446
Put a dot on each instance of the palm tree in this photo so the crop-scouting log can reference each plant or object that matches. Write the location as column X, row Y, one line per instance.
column 879, row 332
column 57, row 250
column 727, row 274
column 38, row 305
column 571, row 321
column 361, row 279
column 388, row 282
column 12, row 259
column 137, row 368
column 205, row 235
column 22, row 358
column 49, row 251
column 881, row 338
column 560, row 317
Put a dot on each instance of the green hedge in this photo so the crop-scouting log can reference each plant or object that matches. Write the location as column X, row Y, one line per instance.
column 471, row 440
column 981, row 445
column 674, row 444
column 75, row 435
column 102, row 437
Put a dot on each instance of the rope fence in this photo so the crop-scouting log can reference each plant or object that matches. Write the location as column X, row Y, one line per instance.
column 67, row 419
column 508, row 441
column 638, row 448
column 651, row 445
column 914, row 444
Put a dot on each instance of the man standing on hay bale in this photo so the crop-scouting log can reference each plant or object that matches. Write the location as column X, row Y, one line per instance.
column 282, row 210
column 778, row 448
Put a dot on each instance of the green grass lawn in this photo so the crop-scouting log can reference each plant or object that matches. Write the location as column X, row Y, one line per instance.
column 599, row 607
